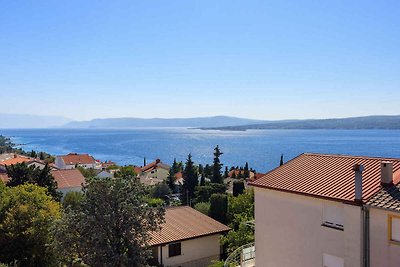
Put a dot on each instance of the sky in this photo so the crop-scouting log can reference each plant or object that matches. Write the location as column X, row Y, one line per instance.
column 255, row 59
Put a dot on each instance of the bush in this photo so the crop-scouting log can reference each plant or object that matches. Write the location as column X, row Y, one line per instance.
column 238, row 188
column 203, row 207
column 72, row 199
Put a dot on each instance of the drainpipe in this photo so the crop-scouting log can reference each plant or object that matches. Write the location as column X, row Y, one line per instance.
column 365, row 236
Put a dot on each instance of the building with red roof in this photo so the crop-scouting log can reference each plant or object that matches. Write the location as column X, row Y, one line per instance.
column 314, row 211
column 72, row 160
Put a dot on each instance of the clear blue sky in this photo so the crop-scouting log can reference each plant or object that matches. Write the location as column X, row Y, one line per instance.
column 257, row 59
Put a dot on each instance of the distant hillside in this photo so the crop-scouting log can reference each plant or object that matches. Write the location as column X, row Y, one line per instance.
column 217, row 121
column 368, row 122
column 12, row 121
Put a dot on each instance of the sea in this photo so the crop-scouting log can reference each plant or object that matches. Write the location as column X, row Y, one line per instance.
column 262, row 149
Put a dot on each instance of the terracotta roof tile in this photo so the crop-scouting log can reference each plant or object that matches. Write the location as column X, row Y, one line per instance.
column 68, row 178
column 15, row 160
column 183, row 223
column 74, row 158
column 328, row 176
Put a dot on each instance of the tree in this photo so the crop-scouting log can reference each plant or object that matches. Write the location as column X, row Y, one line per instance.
column 202, row 179
column 281, row 162
column 21, row 173
column 238, row 188
column 217, row 166
column 112, row 226
column 175, row 166
column 87, row 172
column 160, row 190
column 126, row 171
column 72, row 199
column 27, row 214
column 218, row 207
column 203, row 193
column 190, row 180
column 33, row 154
column 246, row 170
column 226, row 173
column 171, row 179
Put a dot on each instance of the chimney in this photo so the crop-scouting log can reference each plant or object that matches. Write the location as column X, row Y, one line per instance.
column 386, row 173
column 358, row 169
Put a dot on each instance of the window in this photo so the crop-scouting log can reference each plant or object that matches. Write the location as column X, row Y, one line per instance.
column 332, row 261
column 174, row 249
column 333, row 216
column 394, row 228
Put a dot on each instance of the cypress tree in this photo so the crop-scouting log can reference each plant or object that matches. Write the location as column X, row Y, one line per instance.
column 190, row 180
column 217, row 166
column 246, row 170
column 281, row 163
column 226, row 173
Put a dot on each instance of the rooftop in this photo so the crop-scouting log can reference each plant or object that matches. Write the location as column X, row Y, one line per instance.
column 74, row 158
column 68, row 178
column 327, row 176
column 183, row 223
column 386, row 198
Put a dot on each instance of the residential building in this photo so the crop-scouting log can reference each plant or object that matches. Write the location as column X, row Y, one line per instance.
column 188, row 238
column 384, row 225
column 311, row 212
column 156, row 169
column 13, row 158
column 68, row 180
column 72, row 160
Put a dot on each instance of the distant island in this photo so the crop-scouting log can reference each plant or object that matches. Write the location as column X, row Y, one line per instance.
column 367, row 122
column 223, row 123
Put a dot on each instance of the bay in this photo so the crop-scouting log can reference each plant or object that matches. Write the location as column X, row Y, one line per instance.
column 261, row 148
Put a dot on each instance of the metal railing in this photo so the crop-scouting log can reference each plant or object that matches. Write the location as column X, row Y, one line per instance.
column 243, row 256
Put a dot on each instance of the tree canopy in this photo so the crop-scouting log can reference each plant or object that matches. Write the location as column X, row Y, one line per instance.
column 216, row 167
column 112, row 225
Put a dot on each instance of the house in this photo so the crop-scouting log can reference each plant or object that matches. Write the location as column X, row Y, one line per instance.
column 107, row 164
column 155, row 170
column 68, row 180
column 312, row 211
column 13, row 158
column 72, row 160
column 384, row 225
column 188, row 238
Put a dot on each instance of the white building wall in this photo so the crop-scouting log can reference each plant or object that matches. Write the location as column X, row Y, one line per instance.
column 383, row 253
column 289, row 231
column 198, row 252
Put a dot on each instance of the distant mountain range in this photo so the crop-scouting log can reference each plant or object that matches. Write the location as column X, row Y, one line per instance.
column 217, row 121
column 367, row 122
column 206, row 123
column 17, row 121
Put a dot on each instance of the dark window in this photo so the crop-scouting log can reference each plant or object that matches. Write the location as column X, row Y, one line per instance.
column 174, row 249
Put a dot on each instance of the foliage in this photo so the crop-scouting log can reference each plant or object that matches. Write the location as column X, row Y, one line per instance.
column 21, row 173
column 203, row 207
column 246, row 172
column 160, row 190
column 171, row 180
column 216, row 264
column 155, row 202
column 238, row 188
column 125, row 171
column 6, row 146
column 216, row 167
column 240, row 211
column 203, row 193
column 281, row 161
column 218, row 207
column 190, row 180
column 27, row 213
column 226, row 172
column 87, row 172
column 112, row 226
column 112, row 167
column 73, row 200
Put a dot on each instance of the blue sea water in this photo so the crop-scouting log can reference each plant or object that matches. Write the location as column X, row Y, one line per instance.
column 261, row 148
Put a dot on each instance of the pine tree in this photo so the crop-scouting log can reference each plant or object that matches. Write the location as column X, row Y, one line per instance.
column 171, row 179
column 217, row 166
column 190, row 180
column 175, row 167
column 202, row 180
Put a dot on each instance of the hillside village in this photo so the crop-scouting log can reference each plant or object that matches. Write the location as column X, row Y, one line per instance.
column 322, row 210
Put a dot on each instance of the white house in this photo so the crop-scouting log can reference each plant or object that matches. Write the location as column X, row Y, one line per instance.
column 188, row 238
column 72, row 160
column 312, row 212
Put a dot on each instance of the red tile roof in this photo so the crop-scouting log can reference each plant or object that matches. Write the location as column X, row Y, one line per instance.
column 327, row 176
column 15, row 160
column 68, row 178
column 151, row 166
column 183, row 223
column 74, row 158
